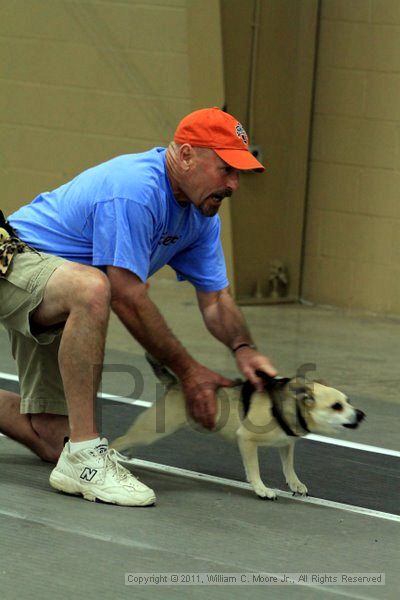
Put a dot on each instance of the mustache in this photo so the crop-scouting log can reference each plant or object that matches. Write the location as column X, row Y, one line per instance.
column 227, row 193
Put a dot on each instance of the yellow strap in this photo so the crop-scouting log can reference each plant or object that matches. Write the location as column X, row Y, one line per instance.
column 4, row 235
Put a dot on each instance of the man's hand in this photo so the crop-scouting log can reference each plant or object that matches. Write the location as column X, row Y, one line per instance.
column 199, row 386
column 249, row 361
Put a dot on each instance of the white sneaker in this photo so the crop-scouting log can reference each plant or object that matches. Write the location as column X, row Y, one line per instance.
column 96, row 474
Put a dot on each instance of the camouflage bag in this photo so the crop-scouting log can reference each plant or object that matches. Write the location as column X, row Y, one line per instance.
column 10, row 245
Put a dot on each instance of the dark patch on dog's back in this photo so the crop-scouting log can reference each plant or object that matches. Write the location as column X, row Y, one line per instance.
column 247, row 392
column 270, row 383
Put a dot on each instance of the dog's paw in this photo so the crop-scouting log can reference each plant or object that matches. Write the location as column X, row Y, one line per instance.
column 265, row 493
column 297, row 487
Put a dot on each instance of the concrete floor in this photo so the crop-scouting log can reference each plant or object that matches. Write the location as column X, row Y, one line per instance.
column 55, row 545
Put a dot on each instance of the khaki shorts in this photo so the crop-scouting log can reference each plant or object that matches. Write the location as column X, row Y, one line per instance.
column 21, row 291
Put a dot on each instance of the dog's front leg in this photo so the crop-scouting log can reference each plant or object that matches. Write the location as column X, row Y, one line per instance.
column 249, row 451
column 287, row 455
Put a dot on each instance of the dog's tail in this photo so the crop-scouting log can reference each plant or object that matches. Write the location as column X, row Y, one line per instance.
column 166, row 376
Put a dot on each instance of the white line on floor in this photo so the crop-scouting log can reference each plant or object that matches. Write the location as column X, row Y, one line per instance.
column 8, row 376
column 136, row 462
column 123, row 400
column 246, row 486
column 133, row 401
column 312, row 437
column 354, row 445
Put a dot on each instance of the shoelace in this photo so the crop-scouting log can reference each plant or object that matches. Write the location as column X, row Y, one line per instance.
column 113, row 458
column 122, row 457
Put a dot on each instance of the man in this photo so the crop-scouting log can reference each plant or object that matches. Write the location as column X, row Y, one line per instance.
column 128, row 217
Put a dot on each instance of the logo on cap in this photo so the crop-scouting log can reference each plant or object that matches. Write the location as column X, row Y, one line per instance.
column 240, row 132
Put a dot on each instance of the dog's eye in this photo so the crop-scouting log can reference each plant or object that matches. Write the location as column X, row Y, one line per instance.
column 337, row 406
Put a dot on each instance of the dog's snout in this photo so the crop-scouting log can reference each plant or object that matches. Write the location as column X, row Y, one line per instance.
column 360, row 415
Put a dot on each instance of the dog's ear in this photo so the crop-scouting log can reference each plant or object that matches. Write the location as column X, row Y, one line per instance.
column 308, row 400
column 303, row 391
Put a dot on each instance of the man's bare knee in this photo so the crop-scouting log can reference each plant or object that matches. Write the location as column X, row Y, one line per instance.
column 93, row 290
column 80, row 285
column 73, row 287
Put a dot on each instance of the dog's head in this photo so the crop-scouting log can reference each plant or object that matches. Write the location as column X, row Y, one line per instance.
column 326, row 410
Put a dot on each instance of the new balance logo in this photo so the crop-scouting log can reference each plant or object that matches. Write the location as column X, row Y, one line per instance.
column 102, row 448
column 88, row 474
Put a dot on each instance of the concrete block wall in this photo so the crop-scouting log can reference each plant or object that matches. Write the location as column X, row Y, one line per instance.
column 84, row 80
column 268, row 210
column 352, row 248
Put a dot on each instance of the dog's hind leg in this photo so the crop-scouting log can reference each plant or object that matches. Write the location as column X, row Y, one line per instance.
column 287, row 458
column 249, row 451
column 164, row 417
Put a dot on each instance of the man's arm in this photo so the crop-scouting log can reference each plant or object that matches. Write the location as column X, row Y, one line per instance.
column 225, row 321
column 132, row 304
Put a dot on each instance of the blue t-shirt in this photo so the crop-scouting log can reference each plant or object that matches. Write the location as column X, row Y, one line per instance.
column 123, row 213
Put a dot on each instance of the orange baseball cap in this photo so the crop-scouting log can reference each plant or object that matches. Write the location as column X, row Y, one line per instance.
column 216, row 129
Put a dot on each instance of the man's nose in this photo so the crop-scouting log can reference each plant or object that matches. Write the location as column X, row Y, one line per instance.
column 233, row 181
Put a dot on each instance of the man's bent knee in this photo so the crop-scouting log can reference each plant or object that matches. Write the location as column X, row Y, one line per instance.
column 73, row 286
column 93, row 289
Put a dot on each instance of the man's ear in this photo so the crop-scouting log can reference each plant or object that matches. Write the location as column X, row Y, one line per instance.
column 186, row 156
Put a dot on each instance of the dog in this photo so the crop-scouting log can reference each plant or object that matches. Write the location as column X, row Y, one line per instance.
column 286, row 410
